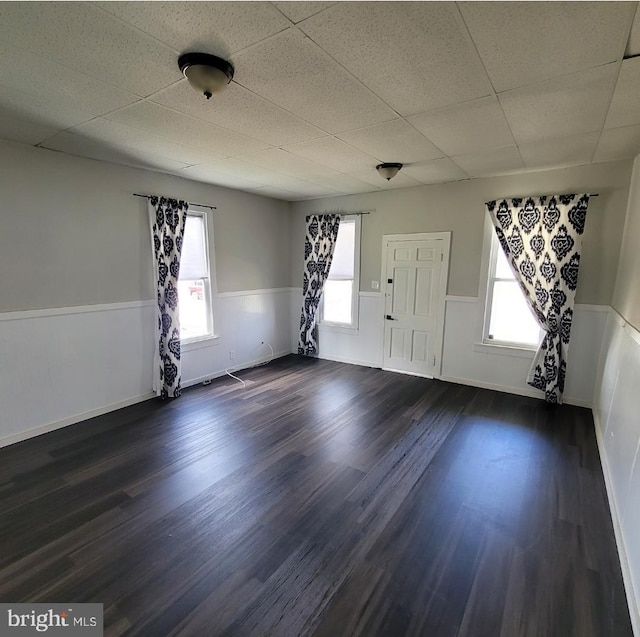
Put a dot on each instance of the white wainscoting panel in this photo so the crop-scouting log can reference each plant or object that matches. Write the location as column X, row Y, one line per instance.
column 362, row 346
column 464, row 362
column 616, row 413
column 246, row 323
column 359, row 347
column 295, row 310
column 64, row 365
column 72, row 363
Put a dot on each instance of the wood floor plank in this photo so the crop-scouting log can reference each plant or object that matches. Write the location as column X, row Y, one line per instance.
column 320, row 499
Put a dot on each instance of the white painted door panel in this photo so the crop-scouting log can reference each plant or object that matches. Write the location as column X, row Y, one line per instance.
column 413, row 298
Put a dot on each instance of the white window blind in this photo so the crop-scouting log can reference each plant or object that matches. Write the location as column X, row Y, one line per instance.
column 193, row 260
column 342, row 266
column 194, row 286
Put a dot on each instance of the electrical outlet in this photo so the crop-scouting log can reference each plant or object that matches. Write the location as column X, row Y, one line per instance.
column 232, row 355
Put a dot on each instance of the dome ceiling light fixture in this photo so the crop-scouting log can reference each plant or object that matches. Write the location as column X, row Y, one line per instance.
column 208, row 74
column 388, row 171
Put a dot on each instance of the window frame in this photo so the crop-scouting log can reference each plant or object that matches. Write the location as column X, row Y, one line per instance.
column 488, row 279
column 209, row 285
column 355, row 288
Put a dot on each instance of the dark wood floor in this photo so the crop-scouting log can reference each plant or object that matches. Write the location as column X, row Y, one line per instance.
column 322, row 499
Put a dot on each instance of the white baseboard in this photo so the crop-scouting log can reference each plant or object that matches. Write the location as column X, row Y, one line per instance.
column 406, row 373
column 221, row 372
column 257, row 291
column 634, row 612
column 531, row 393
column 72, row 420
column 350, row 361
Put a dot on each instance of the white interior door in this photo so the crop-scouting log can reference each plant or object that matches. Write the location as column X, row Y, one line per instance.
column 415, row 291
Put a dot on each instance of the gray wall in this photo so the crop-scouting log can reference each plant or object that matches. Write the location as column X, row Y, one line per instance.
column 626, row 298
column 459, row 207
column 72, row 234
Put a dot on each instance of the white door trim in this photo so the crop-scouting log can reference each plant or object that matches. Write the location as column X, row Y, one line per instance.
column 444, row 280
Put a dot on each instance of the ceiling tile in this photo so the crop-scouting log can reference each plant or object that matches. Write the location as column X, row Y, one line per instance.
column 522, row 43
column 346, row 184
column 394, row 141
column 184, row 129
column 436, row 171
column 563, row 106
column 282, row 161
column 240, row 110
column 292, row 72
column 298, row 11
column 73, row 144
column 559, row 151
column 54, row 94
column 333, row 153
column 38, row 109
column 281, row 182
column 21, row 129
column 633, row 44
column 220, row 28
column 497, row 161
column 84, row 38
column 309, row 189
column 401, row 180
column 212, row 175
column 618, row 143
column 624, row 109
column 112, row 132
column 466, row 128
column 242, row 170
column 275, row 193
column 415, row 55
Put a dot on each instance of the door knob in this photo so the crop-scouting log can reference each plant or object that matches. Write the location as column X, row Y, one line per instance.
column 390, row 318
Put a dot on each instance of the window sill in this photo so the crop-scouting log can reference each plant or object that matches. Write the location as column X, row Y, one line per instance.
column 338, row 329
column 198, row 343
column 505, row 350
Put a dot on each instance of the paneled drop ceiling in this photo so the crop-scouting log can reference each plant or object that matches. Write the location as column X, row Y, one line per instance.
column 324, row 91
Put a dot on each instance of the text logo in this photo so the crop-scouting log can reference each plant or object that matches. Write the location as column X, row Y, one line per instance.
column 73, row 620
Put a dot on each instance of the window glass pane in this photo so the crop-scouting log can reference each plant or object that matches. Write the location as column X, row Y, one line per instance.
column 511, row 319
column 193, row 260
column 336, row 299
column 503, row 269
column 193, row 308
column 344, row 253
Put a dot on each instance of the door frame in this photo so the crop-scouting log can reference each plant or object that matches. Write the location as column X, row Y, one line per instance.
column 444, row 280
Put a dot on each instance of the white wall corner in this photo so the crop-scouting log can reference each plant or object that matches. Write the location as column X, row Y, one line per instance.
column 633, row 601
column 617, row 431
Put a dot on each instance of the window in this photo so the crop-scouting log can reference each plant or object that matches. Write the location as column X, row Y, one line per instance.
column 508, row 319
column 194, row 287
column 340, row 294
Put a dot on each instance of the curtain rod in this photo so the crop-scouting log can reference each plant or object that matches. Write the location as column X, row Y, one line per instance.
column 201, row 205
column 342, row 214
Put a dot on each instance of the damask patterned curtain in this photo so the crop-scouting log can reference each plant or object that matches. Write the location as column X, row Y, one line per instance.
column 319, row 242
column 167, row 218
column 542, row 238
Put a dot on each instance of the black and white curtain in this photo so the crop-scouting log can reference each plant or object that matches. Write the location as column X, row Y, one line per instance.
column 542, row 238
column 319, row 243
column 167, row 218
